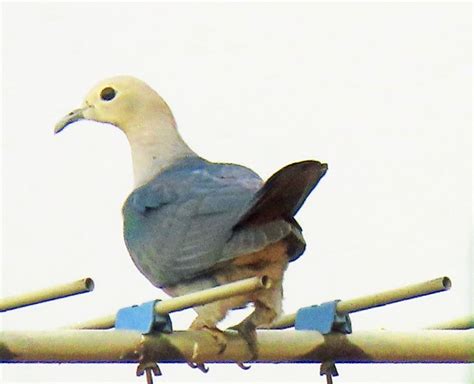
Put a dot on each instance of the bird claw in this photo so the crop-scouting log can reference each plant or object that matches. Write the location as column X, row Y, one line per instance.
column 243, row 366
column 199, row 366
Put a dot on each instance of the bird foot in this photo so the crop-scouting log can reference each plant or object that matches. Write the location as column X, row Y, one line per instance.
column 220, row 338
column 247, row 331
column 218, row 335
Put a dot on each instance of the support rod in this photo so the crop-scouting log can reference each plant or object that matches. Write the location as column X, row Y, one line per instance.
column 378, row 299
column 70, row 346
column 187, row 301
column 47, row 294
column 466, row 322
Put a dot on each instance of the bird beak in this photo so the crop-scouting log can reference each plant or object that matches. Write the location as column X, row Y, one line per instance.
column 71, row 117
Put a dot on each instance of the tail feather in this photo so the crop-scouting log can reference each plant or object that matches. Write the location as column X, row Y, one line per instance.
column 284, row 193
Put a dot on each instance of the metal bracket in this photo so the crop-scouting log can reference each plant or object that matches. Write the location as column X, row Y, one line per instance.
column 143, row 318
column 150, row 369
column 328, row 368
column 323, row 318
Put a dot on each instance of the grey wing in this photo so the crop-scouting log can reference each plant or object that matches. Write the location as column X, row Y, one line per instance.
column 176, row 230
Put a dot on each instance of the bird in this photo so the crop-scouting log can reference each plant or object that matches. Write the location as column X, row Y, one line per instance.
column 192, row 224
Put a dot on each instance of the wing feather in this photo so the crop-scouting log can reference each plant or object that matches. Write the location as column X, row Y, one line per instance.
column 198, row 215
column 177, row 225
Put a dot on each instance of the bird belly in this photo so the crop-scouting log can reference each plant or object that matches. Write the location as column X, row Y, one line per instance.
column 272, row 261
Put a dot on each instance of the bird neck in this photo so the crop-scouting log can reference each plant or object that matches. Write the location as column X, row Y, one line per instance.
column 155, row 146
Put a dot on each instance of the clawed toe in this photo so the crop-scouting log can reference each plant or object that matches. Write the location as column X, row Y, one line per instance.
column 199, row 366
column 243, row 366
column 248, row 332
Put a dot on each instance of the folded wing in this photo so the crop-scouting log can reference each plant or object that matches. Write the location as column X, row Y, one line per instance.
column 197, row 216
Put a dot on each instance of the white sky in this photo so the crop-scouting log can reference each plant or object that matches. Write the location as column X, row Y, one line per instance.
column 381, row 92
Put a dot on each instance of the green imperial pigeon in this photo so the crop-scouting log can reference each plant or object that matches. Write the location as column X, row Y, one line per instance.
column 191, row 224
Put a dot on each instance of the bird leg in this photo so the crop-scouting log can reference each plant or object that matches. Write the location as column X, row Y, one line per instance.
column 247, row 329
column 208, row 325
column 210, row 314
column 201, row 324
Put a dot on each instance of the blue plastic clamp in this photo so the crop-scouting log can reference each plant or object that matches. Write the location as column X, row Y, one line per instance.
column 322, row 318
column 142, row 318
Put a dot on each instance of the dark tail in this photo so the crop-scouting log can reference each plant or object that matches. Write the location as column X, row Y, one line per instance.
column 284, row 193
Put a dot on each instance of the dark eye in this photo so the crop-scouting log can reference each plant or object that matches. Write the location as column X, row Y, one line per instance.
column 108, row 93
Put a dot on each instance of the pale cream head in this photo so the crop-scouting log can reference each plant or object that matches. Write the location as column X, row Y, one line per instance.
column 141, row 113
column 123, row 101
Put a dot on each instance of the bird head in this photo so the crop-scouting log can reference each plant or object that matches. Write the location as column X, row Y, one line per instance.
column 123, row 101
column 145, row 118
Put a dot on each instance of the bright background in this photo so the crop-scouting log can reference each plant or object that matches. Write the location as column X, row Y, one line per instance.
column 379, row 91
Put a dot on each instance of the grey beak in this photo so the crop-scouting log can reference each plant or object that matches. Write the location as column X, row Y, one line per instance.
column 71, row 117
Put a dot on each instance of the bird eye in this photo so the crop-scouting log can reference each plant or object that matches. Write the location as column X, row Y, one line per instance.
column 107, row 94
